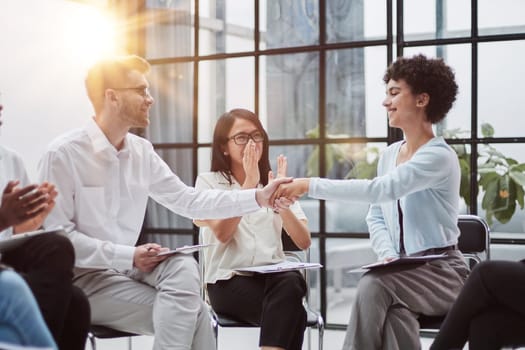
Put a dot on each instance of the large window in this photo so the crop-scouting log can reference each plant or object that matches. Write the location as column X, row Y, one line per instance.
column 312, row 70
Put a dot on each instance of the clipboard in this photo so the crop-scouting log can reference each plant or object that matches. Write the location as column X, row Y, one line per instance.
column 18, row 239
column 280, row 267
column 187, row 249
column 405, row 260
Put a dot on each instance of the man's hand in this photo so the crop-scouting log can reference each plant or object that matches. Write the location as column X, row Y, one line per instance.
column 145, row 258
column 294, row 189
column 21, row 204
column 36, row 222
column 265, row 196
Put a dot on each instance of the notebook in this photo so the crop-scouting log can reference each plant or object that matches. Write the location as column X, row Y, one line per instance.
column 405, row 260
column 280, row 267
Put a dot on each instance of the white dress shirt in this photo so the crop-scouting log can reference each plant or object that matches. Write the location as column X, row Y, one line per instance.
column 103, row 193
column 256, row 241
column 11, row 168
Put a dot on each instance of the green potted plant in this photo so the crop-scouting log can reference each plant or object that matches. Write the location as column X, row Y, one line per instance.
column 501, row 178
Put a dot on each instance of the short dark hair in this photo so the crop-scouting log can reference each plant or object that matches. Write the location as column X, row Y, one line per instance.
column 111, row 73
column 427, row 75
column 221, row 162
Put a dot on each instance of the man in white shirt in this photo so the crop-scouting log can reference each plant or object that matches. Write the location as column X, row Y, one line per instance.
column 104, row 176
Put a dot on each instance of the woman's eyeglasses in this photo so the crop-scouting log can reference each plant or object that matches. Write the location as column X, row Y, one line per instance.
column 243, row 138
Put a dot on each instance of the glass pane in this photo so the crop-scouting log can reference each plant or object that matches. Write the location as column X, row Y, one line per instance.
column 501, row 17
column 288, row 23
column 350, row 161
column 204, row 164
column 313, row 276
column 501, row 179
column 431, row 19
column 355, row 20
column 172, row 113
column 157, row 216
column 169, row 28
column 224, row 85
column 354, row 92
column 343, row 255
column 500, row 100
column 289, row 102
column 297, row 156
column 458, row 57
column 225, row 26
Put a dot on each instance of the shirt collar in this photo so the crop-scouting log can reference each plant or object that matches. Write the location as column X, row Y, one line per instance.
column 100, row 142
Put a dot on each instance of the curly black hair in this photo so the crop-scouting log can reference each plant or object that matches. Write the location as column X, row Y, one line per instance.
column 427, row 75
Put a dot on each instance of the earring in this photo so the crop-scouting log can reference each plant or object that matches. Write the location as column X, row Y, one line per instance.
column 226, row 153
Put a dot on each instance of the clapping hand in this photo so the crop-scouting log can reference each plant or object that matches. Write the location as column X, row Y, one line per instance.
column 48, row 192
column 20, row 205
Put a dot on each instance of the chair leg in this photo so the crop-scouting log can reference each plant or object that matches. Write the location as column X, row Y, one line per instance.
column 320, row 329
column 92, row 341
column 321, row 335
column 130, row 344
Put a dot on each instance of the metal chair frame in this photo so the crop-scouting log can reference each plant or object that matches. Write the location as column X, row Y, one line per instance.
column 103, row 332
column 314, row 318
column 473, row 241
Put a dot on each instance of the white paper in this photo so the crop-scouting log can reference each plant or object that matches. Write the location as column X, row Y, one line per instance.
column 187, row 249
column 280, row 267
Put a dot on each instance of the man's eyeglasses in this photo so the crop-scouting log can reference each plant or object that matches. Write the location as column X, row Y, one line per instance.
column 141, row 90
column 243, row 138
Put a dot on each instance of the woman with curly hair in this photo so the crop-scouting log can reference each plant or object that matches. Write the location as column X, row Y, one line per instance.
column 413, row 212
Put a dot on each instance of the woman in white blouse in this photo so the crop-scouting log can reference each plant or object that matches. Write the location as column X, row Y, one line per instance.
column 272, row 301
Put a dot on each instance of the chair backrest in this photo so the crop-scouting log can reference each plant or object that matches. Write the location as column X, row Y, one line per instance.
column 473, row 243
column 474, row 237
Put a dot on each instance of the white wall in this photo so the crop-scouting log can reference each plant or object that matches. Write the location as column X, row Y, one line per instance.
column 41, row 76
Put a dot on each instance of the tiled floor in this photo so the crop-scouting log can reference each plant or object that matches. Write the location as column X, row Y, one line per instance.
column 233, row 339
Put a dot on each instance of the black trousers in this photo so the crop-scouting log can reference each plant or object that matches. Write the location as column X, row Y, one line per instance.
column 46, row 263
column 490, row 310
column 271, row 301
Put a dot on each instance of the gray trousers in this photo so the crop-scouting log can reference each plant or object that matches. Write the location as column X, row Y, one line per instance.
column 165, row 303
column 389, row 301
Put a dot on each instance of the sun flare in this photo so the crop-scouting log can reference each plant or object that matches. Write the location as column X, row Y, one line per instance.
column 91, row 34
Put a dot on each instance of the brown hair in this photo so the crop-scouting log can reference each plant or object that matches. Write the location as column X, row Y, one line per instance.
column 221, row 162
column 111, row 73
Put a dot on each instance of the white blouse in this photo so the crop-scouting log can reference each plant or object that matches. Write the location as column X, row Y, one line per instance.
column 257, row 240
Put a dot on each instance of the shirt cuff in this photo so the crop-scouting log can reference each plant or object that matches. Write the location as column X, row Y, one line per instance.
column 312, row 186
column 247, row 201
column 123, row 257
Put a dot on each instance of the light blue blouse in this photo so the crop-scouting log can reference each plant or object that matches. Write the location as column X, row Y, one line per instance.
column 428, row 189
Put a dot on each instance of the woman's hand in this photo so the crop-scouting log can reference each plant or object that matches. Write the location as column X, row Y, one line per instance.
column 250, row 163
